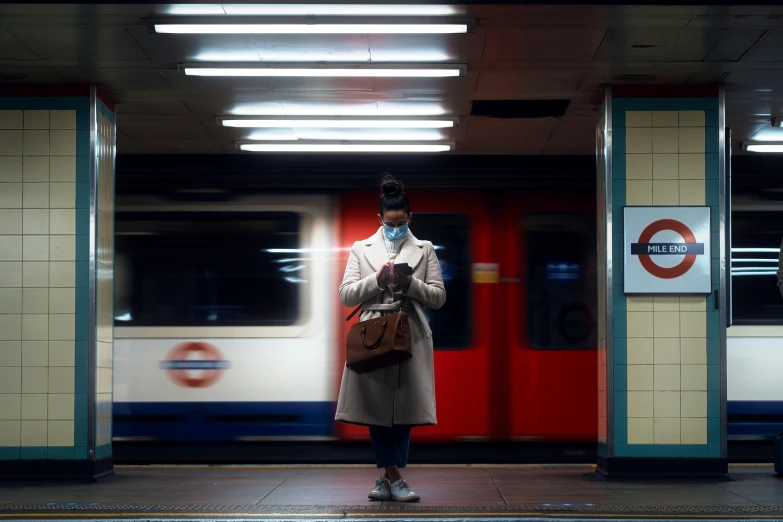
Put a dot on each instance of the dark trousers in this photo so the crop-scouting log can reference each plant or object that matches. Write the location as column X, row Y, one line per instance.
column 390, row 445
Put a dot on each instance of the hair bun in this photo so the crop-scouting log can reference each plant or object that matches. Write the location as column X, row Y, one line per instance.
column 391, row 185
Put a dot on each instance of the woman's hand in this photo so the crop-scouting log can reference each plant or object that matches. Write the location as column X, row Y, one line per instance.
column 384, row 274
column 401, row 279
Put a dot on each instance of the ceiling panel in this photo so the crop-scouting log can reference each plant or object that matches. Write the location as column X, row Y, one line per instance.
column 734, row 45
column 79, row 44
column 660, row 45
column 529, row 82
column 12, row 49
column 534, row 131
column 156, row 128
column 769, row 49
column 542, row 45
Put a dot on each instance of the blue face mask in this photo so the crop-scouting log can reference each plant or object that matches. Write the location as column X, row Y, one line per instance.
column 395, row 233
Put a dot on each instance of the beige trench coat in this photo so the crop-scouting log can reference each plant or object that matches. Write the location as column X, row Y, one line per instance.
column 403, row 393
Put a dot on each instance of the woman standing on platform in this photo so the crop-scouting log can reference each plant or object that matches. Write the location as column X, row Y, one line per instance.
column 393, row 399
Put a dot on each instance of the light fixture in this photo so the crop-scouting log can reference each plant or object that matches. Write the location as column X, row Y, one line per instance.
column 338, row 123
column 777, row 122
column 334, row 69
column 342, row 146
column 312, row 25
column 763, row 146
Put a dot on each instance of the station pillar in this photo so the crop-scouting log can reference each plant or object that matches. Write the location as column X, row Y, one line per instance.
column 661, row 319
column 57, row 149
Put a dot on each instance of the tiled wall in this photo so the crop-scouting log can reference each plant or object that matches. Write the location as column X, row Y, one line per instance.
column 666, row 351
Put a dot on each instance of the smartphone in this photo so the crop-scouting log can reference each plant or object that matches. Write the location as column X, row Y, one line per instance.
column 403, row 268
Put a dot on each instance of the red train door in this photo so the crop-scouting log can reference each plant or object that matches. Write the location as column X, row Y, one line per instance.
column 457, row 224
column 550, row 277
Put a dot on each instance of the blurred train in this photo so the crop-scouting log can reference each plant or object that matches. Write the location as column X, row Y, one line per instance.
column 228, row 326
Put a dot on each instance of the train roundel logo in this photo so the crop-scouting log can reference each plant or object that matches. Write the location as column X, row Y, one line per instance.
column 190, row 372
column 644, row 249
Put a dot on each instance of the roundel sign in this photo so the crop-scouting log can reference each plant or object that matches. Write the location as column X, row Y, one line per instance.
column 666, row 250
column 194, row 365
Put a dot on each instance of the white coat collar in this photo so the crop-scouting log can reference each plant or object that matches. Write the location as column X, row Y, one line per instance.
column 376, row 254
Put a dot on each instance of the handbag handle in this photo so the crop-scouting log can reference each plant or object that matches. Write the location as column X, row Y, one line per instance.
column 377, row 343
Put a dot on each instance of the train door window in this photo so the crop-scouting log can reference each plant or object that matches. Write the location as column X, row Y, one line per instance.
column 560, row 293
column 755, row 246
column 450, row 234
column 208, row 269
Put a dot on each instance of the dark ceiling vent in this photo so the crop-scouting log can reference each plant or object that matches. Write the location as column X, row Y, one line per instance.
column 519, row 108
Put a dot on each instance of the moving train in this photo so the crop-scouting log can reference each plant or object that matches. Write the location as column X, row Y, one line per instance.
column 228, row 325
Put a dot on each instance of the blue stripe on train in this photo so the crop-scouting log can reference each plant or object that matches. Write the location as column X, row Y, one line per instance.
column 754, row 419
column 222, row 421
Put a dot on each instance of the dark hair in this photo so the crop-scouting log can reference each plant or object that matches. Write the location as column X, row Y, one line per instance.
column 392, row 195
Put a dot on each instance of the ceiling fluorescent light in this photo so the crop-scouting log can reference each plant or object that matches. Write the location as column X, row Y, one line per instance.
column 344, row 147
column 324, row 70
column 338, row 123
column 764, row 146
column 340, row 9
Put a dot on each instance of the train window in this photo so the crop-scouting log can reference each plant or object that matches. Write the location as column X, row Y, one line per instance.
column 215, row 269
column 450, row 234
column 755, row 246
column 560, row 293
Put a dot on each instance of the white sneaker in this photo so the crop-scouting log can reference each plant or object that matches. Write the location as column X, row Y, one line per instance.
column 402, row 492
column 382, row 490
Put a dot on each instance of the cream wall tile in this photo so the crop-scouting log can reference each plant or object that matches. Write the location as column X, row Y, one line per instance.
column 667, row 403
column 11, row 379
column 691, row 166
column 691, row 118
column 639, row 303
column 35, row 221
column 11, row 248
column 35, row 379
column 36, row 169
column 62, row 327
column 665, row 119
column 35, row 327
column 666, row 303
column 667, row 350
column 10, row 300
column 62, row 195
column 35, row 301
column 10, row 274
column 62, row 169
column 11, row 120
column 10, row 432
column 665, row 140
column 35, row 353
column 638, row 119
column 36, row 120
column 10, row 353
column 62, row 274
column 693, row 350
column 692, row 192
column 694, row 404
column 10, row 406
column 34, row 433
column 10, row 221
column 62, row 248
column 35, row 248
column 61, row 406
column 61, row 380
column 36, row 143
column 62, row 353
column 691, row 140
column 694, row 377
column 10, row 170
column 638, row 141
column 666, row 324
column 640, row 431
column 10, row 328
column 666, row 377
column 640, row 404
column 60, row 433
column 34, row 406
column 63, row 142
column 640, row 324
column 638, row 192
column 104, row 381
column 35, row 274
column 693, row 431
column 62, row 300
column 665, row 166
column 666, row 192
column 11, row 195
column 35, row 195
column 693, row 303
column 62, row 221
column 640, row 377
column 638, row 166
column 666, row 431
column 62, row 120
column 11, row 142
column 640, row 350
column 693, row 324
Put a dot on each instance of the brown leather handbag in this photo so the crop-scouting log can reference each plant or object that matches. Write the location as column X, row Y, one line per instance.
column 378, row 342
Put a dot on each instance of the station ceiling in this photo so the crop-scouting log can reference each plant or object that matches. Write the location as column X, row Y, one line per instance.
column 514, row 52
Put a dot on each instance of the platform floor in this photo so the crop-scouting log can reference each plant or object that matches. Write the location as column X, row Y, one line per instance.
column 329, row 492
